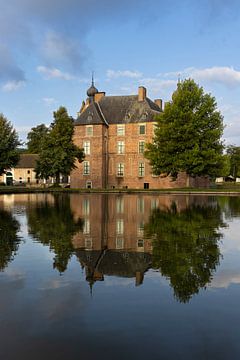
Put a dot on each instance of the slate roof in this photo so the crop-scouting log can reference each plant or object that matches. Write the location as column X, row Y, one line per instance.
column 114, row 262
column 119, row 110
column 27, row 161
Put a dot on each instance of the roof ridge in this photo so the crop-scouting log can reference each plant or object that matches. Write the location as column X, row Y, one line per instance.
column 102, row 114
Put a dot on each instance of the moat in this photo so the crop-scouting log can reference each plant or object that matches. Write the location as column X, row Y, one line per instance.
column 119, row 276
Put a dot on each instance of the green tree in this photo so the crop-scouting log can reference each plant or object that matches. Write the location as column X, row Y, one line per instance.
column 234, row 158
column 188, row 134
column 8, row 145
column 9, row 240
column 58, row 152
column 53, row 224
column 185, row 246
column 36, row 138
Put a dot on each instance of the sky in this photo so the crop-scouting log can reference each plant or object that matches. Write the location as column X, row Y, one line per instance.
column 49, row 48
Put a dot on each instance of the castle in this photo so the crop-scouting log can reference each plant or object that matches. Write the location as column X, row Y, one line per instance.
column 113, row 131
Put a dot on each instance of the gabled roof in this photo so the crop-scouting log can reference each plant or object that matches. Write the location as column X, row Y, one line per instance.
column 27, row 161
column 119, row 110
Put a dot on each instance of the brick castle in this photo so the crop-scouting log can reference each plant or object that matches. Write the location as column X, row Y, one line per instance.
column 113, row 131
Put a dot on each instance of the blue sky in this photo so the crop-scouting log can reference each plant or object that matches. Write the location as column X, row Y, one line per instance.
column 48, row 49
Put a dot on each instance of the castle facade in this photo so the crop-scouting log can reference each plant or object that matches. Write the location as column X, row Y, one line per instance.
column 113, row 131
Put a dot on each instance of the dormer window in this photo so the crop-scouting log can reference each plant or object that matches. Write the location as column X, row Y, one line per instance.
column 89, row 118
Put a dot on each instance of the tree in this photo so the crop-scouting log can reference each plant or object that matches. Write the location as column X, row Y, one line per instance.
column 188, row 134
column 185, row 245
column 8, row 145
column 36, row 138
column 58, row 152
column 53, row 224
column 9, row 239
column 234, row 159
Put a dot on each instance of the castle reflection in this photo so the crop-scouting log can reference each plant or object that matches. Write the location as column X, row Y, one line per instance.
column 125, row 235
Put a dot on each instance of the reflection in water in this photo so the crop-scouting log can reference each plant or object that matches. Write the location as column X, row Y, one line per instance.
column 53, row 224
column 9, row 240
column 125, row 236
column 185, row 246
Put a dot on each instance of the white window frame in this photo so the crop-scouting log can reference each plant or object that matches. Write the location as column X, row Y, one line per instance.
column 89, row 133
column 121, row 147
column 86, row 226
column 141, row 146
column 120, row 169
column 121, row 130
column 86, row 168
column 120, row 226
column 119, row 243
column 87, row 147
column 120, row 205
column 141, row 169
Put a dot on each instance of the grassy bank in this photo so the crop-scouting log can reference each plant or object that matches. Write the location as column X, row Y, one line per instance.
column 215, row 189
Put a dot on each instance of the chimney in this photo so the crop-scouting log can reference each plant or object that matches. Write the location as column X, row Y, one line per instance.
column 98, row 96
column 142, row 93
column 158, row 102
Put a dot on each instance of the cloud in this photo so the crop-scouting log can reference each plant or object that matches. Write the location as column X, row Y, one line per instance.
column 9, row 70
column 13, row 85
column 60, row 49
column 50, row 73
column 49, row 101
column 114, row 74
column 224, row 75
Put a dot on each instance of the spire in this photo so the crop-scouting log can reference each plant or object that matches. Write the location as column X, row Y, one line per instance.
column 92, row 90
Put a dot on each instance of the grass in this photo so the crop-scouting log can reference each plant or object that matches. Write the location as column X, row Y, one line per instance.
column 214, row 189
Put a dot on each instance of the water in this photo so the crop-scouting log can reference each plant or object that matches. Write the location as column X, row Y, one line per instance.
column 119, row 277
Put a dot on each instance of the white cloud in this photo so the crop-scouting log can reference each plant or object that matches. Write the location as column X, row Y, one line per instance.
column 50, row 73
column 13, row 85
column 159, row 86
column 224, row 75
column 115, row 74
column 49, row 101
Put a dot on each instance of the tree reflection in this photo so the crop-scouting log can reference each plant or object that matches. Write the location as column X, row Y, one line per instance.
column 185, row 246
column 9, row 240
column 53, row 224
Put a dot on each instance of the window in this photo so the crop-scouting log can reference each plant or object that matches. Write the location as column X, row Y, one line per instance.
column 120, row 170
column 120, row 227
column 154, row 204
column 140, row 229
column 86, row 226
column 141, row 146
column 120, row 147
column 142, row 129
column 140, row 205
column 86, row 168
column 89, row 184
column 86, row 207
column 86, row 147
column 120, row 205
column 89, row 130
column 89, row 118
column 141, row 169
column 140, row 243
column 88, row 243
column 29, row 172
column 121, row 130
column 119, row 243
